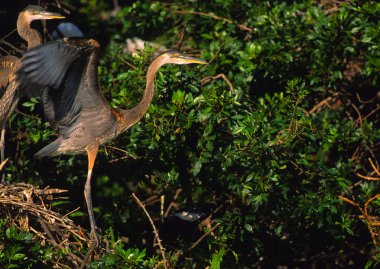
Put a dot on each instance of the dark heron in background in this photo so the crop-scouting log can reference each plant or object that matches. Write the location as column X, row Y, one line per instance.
column 9, row 64
column 67, row 71
column 66, row 29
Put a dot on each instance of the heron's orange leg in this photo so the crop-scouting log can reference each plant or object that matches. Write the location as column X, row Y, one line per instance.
column 92, row 151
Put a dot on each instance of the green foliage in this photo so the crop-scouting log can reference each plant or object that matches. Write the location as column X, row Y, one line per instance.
column 265, row 155
column 217, row 259
column 18, row 249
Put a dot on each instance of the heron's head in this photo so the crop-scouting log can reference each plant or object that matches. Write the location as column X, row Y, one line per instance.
column 176, row 57
column 32, row 13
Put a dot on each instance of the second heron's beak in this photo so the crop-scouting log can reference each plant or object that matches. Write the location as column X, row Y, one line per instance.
column 193, row 60
column 46, row 15
column 52, row 15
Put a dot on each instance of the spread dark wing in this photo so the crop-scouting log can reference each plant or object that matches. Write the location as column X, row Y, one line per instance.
column 67, row 70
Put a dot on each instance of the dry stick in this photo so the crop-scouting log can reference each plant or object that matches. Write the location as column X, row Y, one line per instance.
column 3, row 163
column 129, row 64
column 241, row 26
column 126, row 156
column 372, row 112
column 116, row 5
column 370, row 200
column 58, row 3
column 375, row 171
column 40, row 235
column 356, row 152
column 54, row 242
column 154, row 229
column 11, row 32
column 48, row 233
column 180, row 41
column 150, row 199
column 31, row 208
column 360, row 115
column 373, row 166
column 366, row 217
column 172, row 203
column 62, row 265
column 367, row 177
column 324, row 102
column 162, row 207
column 72, row 211
column 13, row 47
column 4, row 50
column 88, row 254
column 3, row 38
column 202, row 237
column 208, row 79
column 38, row 212
column 365, row 102
column 121, row 150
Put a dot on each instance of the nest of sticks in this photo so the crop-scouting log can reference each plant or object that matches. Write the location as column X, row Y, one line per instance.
column 30, row 209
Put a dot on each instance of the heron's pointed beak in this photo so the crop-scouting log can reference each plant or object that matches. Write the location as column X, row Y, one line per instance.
column 46, row 15
column 193, row 60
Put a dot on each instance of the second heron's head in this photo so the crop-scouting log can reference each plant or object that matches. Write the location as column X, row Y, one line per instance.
column 176, row 57
column 31, row 13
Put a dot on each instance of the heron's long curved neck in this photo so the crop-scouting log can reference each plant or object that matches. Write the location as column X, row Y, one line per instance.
column 31, row 36
column 133, row 115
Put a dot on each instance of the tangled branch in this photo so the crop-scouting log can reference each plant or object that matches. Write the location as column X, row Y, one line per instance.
column 29, row 208
column 372, row 222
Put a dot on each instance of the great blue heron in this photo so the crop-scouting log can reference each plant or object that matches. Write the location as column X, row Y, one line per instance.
column 8, row 64
column 74, row 103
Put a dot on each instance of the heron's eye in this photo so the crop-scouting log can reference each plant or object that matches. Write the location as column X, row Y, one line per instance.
column 175, row 55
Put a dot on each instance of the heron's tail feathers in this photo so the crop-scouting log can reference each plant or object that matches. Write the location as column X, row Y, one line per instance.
column 50, row 150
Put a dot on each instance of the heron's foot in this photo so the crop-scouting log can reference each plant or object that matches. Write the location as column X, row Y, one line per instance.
column 96, row 237
column 95, row 240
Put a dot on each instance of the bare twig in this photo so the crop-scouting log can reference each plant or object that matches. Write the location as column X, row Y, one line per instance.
column 359, row 114
column 367, row 177
column 372, row 112
column 11, row 32
column 196, row 243
column 162, row 207
column 208, row 79
column 325, row 102
column 374, row 167
column 3, row 163
column 155, row 231
column 172, row 203
column 129, row 64
column 24, row 201
column 240, row 26
column 181, row 37
column 88, row 254
column 371, row 221
column 369, row 201
column 10, row 45
column 365, row 102
column 127, row 154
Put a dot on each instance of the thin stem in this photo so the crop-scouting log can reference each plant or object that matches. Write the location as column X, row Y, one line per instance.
column 162, row 249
